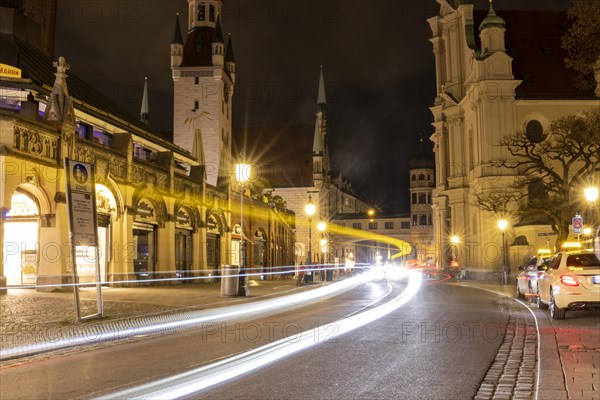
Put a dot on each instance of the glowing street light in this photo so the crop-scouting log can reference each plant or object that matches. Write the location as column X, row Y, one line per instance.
column 242, row 175
column 502, row 225
column 322, row 227
column 591, row 194
column 309, row 209
column 454, row 241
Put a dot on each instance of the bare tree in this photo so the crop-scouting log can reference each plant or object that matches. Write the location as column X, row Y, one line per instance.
column 581, row 41
column 552, row 169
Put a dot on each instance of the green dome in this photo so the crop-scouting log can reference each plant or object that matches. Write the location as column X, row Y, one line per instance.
column 492, row 20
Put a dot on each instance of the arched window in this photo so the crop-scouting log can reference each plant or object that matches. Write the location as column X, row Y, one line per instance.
column 211, row 13
column 414, row 178
column 421, row 177
column 201, row 12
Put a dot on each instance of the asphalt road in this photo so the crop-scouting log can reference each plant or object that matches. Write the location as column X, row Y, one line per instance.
column 437, row 346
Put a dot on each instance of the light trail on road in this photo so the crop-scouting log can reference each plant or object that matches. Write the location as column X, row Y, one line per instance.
column 199, row 379
column 170, row 323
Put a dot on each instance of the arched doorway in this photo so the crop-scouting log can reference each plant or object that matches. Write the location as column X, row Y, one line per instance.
column 183, row 244
column 213, row 244
column 106, row 211
column 145, row 238
column 260, row 251
column 21, row 244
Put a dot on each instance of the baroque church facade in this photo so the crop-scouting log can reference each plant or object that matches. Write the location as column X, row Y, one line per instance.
column 507, row 79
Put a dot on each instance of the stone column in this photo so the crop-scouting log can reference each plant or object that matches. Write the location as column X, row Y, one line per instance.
column 3, row 212
column 443, row 238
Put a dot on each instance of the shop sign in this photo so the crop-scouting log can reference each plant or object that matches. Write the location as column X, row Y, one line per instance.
column 212, row 225
column 8, row 71
column 144, row 210
column 183, row 218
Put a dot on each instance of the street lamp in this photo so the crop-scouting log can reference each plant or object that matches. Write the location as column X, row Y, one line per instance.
column 502, row 225
column 242, row 175
column 454, row 240
column 322, row 226
column 309, row 209
column 591, row 195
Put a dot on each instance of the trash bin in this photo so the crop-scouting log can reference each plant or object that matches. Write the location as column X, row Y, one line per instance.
column 229, row 281
column 308, row 278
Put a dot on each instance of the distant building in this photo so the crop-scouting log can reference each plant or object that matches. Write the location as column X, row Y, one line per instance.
column 293, row 162
column 509, row 77
column 421, row 169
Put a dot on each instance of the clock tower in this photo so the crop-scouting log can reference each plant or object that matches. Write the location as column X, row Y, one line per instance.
column 203, row 78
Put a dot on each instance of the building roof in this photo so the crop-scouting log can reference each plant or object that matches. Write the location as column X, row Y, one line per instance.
column 177, row 39
column 421, row 161
column 39, row 68
column 492, row 20
column 197, row 51
column 282, row 153
column 533, row 40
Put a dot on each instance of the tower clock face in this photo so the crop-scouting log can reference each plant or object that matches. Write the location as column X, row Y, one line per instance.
column 226, row 93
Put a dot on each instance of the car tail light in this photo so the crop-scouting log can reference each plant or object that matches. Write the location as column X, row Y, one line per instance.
column 568, row 280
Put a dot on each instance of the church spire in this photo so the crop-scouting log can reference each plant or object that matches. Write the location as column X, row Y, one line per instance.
column 144, row 111
column 218, row 38
column 229, row 57
column 317, row 145
column 177, row 34
column 321, row 97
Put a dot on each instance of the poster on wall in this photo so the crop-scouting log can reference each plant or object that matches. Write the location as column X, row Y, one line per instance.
column 83, row 224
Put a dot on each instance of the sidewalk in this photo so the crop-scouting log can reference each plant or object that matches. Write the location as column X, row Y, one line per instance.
column 569, row 358
column 28, row 316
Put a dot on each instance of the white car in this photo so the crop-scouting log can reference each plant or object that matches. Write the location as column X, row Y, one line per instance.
column 571, row 282
column 530, row 272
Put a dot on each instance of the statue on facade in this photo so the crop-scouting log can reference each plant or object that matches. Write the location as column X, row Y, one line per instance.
column 60, row 106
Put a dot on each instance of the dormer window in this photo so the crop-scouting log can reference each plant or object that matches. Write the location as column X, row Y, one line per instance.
column 201, row 12
column 211, row 13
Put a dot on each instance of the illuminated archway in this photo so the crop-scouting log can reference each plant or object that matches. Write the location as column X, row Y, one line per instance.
column 21, row 232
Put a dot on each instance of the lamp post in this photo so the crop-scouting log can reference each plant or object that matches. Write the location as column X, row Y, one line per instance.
column 322, row 226
column 242, row 175
column 502, row 225
column 454, row 240
column 591, row 195
column 309, row 209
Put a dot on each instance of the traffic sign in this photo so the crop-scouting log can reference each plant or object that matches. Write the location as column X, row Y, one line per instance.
column 577, row 222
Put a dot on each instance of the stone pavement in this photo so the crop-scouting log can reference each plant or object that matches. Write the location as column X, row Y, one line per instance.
column 569, row 352
column 569, row 356
column 27, row 316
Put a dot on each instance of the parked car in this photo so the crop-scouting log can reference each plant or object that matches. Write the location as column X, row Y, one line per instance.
column 571, row 282
column 530, row 272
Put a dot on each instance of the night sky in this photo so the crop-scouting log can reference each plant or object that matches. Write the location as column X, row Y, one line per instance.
column 377, row 59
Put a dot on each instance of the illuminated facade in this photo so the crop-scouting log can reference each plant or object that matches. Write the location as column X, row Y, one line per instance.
column 158, row 216
column 507, row 79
